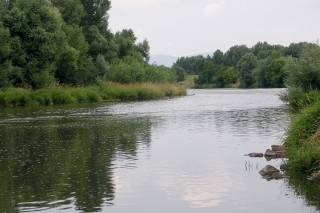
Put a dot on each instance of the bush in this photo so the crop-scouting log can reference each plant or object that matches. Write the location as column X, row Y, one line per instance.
column 15, row 97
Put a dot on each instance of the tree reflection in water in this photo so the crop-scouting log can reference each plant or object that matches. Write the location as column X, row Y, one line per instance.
column 65, row 162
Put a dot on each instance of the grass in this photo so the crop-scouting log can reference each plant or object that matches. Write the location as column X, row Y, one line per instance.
column 103, row 91
column 302, row 143
column 189, row 81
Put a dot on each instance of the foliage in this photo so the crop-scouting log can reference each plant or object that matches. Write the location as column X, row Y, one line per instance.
column 270, row 72
column 57, row 95
column 263, row 65
column 50, row 42
column 304, row 73
column 245, row 66
column 181, row 73
column 303, row 143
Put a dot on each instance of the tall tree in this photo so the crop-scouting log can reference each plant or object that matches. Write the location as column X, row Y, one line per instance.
column 217, row 57
column 96, row 14
column 37, row 40
column 233, row 55
column 72, row 11
column 245, row 65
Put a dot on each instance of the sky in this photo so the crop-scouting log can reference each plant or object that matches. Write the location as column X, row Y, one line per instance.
column 188, row 27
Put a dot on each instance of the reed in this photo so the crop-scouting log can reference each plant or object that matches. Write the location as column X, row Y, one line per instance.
column 107, row 91
column 15, row 97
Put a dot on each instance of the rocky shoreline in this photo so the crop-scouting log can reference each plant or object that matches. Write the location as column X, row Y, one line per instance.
column 270, row 172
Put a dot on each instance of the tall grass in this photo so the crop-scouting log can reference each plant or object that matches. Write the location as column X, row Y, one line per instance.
column 102, row 91
column 15, row 97
column 302, row 143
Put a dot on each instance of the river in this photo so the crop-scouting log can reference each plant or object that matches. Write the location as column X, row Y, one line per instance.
column 183, row 154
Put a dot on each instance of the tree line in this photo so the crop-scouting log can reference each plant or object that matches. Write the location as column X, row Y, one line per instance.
column 48, row 42
column 263, row 65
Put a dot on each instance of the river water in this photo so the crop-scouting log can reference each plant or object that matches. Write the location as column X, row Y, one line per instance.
column 176, row 155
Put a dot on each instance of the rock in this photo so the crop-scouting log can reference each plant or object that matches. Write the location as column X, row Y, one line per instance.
column 270, row 173
column 276, row 176
column 268, row 170
column 315, row 176
column 255, row 155
column 277, row 148
column 270, row 154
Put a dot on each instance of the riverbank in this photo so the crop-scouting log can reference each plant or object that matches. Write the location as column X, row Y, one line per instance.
column 302, row 142
column 103, row 91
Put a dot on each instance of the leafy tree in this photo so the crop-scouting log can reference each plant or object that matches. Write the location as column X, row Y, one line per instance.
column 125, row 40
column 245, row 65
column 217, row 57
column 276, row 72
column 234, row 54
column 37, row 39
column 144, row 48
column 294, row 49
column 72, row 11
column 270, row 72
column 5, row 63
column 304, row 74
column 96, row 15
column 181, row 73
column 229, row 76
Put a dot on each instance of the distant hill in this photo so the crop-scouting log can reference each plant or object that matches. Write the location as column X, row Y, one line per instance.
column 168, row 60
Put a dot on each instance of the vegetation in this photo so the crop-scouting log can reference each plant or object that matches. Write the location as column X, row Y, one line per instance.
column 49, row 43
column 262, row 66
column 102, row 91
column 303, row 136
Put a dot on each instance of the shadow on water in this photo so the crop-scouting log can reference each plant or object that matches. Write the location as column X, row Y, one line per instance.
column 65, row 163
column 305, row 189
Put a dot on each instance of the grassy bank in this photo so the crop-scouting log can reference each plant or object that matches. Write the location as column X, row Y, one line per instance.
column 189, row 81
column 103, row 91
column 302, row 143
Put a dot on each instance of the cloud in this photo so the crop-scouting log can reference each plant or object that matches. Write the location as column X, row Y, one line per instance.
column 211, row 10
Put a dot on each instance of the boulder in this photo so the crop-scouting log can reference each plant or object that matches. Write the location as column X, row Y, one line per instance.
column 270, row 154
column 276, row 176
column 270, row 173
column 277, row 148
column 268, row 170
column 255, row 155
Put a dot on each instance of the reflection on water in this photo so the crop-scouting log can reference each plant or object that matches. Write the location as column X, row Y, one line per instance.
column 65, row 162
column 176, row 155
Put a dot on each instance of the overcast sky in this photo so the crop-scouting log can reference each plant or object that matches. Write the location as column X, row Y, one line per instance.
column 186, row 27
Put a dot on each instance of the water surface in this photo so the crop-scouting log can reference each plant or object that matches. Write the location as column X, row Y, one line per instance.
column 176, row 155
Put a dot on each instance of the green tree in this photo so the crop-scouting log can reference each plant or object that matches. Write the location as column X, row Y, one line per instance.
column 304, row 74
column 96, row 14
column 5, row 62
column 245, row 65
column 181, row 73
column 36, row 30
column 72, row 11
column 144, row 48
column 217, row 57
column 229, row 76
column 295, row 49
column 234, row 54
column 276, row 71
